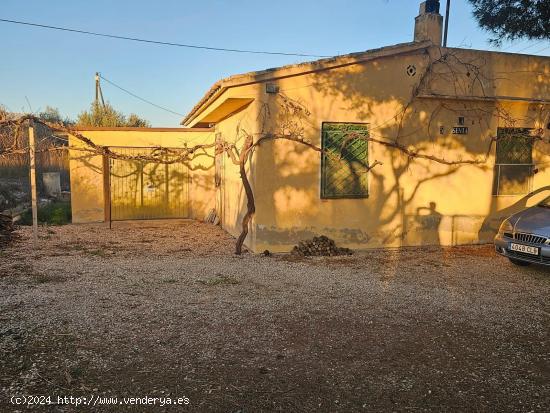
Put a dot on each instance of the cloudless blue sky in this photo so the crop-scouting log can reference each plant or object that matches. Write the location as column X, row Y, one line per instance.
column 57, row 68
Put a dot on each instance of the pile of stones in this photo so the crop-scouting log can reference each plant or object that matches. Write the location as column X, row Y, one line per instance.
column 319, row 247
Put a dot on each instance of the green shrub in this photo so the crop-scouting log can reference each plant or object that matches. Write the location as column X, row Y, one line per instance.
column 55, row 213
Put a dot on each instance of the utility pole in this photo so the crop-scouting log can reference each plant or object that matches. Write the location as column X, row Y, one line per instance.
column 447, row 12
column 98, row 91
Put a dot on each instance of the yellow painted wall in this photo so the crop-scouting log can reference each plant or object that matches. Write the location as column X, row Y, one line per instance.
column 231, row 195
column 411, row 201
column 87, row 173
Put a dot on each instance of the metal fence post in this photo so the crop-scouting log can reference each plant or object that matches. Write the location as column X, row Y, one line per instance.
column 107, row 190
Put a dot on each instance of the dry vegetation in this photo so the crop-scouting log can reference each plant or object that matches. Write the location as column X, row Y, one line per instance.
column 145, row 309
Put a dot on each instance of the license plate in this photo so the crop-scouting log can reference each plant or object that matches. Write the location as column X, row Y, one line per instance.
column 525, row 249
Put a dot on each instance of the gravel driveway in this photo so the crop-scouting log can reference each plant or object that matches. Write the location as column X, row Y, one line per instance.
column 165, row 309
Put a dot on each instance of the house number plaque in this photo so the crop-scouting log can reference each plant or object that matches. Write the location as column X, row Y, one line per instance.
column 460, row 130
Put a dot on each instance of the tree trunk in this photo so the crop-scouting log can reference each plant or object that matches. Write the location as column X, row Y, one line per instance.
column 250, row 204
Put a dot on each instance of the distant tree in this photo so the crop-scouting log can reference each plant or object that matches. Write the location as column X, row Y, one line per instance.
column 100, row 115
column 135, row 121
column 107, row 116
column 513, row 19
column 52, row 115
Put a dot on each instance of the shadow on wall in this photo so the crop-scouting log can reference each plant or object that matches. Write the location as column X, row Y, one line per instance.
column 426, row 227
column 429, row 221
column 147, row 190
column 386, row 218
column 140, row 189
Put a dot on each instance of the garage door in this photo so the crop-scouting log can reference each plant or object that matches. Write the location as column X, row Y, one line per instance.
column 147, row 190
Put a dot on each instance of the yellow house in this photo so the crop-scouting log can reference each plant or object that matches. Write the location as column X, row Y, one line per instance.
column 421, row 144
column 412, row 144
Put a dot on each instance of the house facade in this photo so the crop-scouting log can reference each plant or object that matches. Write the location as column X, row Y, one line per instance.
column 411, row 144
column 421, row 145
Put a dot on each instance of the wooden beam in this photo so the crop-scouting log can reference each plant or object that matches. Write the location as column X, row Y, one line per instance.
column 34, row 196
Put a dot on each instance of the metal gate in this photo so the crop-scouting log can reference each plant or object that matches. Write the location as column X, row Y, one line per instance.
column 147, row 190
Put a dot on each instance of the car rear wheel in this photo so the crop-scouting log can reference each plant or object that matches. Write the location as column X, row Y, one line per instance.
column 518, row 262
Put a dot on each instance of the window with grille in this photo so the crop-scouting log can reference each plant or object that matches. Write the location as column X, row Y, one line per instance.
column 514, row 162
column 344, row 163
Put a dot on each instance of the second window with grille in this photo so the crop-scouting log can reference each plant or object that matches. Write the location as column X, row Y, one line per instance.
column 514, row 162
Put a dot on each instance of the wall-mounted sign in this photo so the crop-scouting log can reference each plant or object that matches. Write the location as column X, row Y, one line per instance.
column 460, row 130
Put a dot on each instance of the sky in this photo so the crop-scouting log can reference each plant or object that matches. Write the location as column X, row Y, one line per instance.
column 40, row 67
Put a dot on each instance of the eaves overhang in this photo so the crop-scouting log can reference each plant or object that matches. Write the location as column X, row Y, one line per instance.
column 194, row 116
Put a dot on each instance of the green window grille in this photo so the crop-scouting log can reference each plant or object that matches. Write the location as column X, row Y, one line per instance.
column 514, row 162
column 514, row 146
column 344, row 162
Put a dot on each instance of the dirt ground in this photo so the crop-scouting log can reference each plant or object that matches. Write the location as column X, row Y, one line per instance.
column 166, row 310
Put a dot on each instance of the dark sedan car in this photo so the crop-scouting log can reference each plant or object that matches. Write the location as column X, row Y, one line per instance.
column 524, row 238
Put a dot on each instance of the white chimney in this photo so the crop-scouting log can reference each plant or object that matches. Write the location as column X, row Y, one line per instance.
column 428, row 25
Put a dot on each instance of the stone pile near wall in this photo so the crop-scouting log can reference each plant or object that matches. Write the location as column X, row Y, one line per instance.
column 319, row 246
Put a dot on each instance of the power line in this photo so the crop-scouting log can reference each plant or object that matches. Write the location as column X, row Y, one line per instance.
column 528, row 47
column 139, row 97
column 542, row 50
column 513, row 45
column 137, row 39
